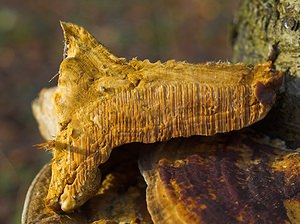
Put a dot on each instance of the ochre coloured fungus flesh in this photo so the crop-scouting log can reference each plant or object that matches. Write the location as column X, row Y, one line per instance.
column 102, row 102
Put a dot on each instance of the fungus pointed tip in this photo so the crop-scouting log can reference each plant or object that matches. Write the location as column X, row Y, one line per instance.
column 65, row 25
column 67, row 28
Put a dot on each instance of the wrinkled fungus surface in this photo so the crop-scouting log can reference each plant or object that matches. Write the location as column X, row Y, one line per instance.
column 119, row 199
column 103, row 101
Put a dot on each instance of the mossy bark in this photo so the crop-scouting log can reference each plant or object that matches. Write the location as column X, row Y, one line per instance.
column 265, row 29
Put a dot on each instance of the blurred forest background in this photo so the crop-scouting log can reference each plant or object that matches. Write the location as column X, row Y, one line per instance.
column 31, row 46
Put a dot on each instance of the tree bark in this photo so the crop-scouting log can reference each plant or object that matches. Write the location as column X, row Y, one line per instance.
column 270, row 29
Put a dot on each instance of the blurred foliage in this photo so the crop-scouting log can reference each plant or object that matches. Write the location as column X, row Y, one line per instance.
column 31, row 47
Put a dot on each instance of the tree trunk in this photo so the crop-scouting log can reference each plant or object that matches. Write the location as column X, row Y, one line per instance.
column 270, row 29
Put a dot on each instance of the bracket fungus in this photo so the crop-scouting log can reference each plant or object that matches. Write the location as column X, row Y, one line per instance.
column 103, row 102
column 235, row 178
column 221, row 179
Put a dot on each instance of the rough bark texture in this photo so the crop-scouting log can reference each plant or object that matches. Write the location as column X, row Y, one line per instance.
column 273, row 24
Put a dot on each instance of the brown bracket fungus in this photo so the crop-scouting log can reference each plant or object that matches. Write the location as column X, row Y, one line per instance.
column 103, row 102
column 221, row 179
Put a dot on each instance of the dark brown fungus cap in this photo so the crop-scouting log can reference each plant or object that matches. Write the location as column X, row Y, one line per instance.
column 228, row 179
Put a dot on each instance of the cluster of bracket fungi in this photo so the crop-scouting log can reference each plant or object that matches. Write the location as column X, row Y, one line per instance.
column 104, row 107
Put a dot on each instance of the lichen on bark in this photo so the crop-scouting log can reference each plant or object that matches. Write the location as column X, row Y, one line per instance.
column 261, row 26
